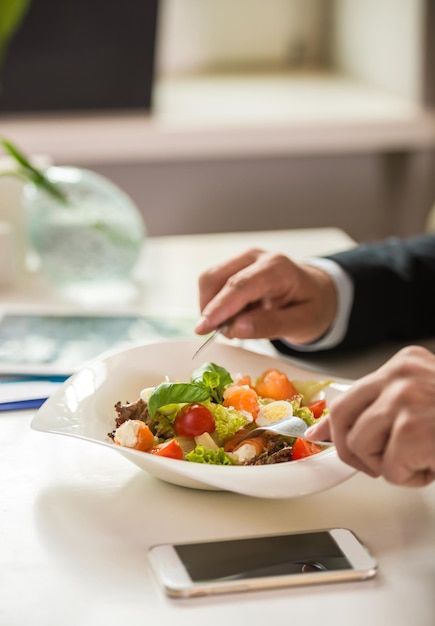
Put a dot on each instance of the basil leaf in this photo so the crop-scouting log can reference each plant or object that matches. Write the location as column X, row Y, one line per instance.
column 214, row 377
column 176, row 393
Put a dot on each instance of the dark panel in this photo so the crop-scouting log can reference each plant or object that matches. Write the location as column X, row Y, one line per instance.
column 81, row 54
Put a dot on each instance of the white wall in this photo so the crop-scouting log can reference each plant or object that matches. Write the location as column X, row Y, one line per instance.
column 201, row 35
column 365, row 195
column 380, row 41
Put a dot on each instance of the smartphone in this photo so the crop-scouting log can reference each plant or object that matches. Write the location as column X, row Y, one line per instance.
column 253, row 563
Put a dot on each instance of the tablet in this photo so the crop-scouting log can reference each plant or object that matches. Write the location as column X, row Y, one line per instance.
column 59, row 343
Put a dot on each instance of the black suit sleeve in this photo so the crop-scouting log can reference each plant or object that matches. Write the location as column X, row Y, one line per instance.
column 394, row 297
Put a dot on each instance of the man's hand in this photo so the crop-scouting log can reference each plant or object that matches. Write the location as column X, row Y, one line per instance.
column 385, row 424
column 266, row 295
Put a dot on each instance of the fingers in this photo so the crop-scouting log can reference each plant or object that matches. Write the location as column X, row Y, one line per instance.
column 267, row 295
column 263, row 320
column 344, row 424
column 385, row 424
column 214, row 279
column 320, row 431
column 409, row 457
column 251, row 281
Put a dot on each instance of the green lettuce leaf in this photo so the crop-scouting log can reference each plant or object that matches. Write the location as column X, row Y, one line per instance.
column 304, row 413
column 228, row 421
column 310, row 388
column 162, row 427
column 210, row 457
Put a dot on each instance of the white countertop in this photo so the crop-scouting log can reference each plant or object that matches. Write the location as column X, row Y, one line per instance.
column 76, row 519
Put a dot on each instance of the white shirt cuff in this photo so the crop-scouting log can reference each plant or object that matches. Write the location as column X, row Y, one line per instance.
column 344, row 285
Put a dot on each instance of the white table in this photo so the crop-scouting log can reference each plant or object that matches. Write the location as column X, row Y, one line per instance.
column 76, row 519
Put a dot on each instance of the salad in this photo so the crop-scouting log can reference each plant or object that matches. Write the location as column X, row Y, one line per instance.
column 204, row 420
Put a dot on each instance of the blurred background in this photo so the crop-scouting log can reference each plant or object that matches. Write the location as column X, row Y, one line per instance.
column 234, row 115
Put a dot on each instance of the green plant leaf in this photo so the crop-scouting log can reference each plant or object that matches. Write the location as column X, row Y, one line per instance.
column 31, row 173
column 12, row 13
column 214, row 377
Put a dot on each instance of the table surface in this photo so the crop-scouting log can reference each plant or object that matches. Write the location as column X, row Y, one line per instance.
column 77, row 519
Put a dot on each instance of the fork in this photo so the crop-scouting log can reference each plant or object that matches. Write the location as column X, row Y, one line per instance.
column 288, row 427
column 220, row 329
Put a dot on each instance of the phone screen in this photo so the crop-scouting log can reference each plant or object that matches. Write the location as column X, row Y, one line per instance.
column 255, row 557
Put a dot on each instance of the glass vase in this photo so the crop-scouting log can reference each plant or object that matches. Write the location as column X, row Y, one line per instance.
column 94, row 237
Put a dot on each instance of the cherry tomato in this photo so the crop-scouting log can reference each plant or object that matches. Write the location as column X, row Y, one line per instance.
column 170, row 449
column 317, row 407
column 193, row 420
column 303, row 448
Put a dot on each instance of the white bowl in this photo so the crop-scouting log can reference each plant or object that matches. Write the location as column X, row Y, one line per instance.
column 83, row 407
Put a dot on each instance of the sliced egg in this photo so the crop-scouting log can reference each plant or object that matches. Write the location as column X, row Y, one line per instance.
column 274, row 412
